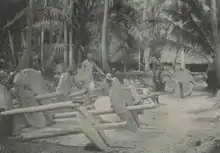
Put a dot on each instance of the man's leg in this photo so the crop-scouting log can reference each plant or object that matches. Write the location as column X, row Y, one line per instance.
column 214, row 89
column 9, row 120
column 6, row 126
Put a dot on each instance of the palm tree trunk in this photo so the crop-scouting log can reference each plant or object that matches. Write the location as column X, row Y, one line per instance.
column 146, row 51
column 182, row 58
column 23, row 41
column 145, row 10
column 71, row 41
column 105, row 65
column 65, row 34
column 25, row 60
column 146, row 58
column 42, row 42
column 139, row 60
column 58, row 41
column 215, row 37
column 42, row 49
column 11, row 43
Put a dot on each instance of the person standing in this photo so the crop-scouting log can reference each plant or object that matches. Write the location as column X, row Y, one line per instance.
column 6, row 122
column 184, row 82
column 212, row 80
column 89, row 66
column 65, row 80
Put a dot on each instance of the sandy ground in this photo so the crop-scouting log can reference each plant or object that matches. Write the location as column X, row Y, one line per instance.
column 187, row 125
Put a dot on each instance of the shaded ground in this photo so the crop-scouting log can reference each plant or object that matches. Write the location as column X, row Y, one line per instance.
column 181, row 126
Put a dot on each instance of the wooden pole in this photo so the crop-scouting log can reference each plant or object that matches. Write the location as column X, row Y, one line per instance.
column 105, row 112
column 76, row 130
column 41, row 108
column 59, row 93
column 180, row 40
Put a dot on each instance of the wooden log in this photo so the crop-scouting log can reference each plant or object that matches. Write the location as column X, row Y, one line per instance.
column 93, row 112
column 47, row 135
column 105, row 112
column 67, row 104
column 58, row 93
column 78, row 93
column 86, row 122
column 69, row 119
column 152, row 95
column 49, row 95
column 76, row 130
column 78, row 98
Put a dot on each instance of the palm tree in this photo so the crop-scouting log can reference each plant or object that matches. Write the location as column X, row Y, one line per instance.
column 105, row 65
column 194, row 24
column 25, row 60
column 197, row 25
column 73, row 19
column 121, row 22
column 215, row 34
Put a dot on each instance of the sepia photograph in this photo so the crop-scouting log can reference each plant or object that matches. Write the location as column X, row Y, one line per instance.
column 109, row 76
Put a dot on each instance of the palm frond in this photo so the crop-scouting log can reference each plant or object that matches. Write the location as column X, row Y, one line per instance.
column 202, row 34
column 57, row 47
column 129, row 25
column 194, row 35
column 198, row 20
column 53, row 12
column 17, row 17
column 47, row 24
column 195, row 7
column 191, row 50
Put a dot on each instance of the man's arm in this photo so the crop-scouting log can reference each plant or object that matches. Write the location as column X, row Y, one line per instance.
column 98, row 69
column 83, row 65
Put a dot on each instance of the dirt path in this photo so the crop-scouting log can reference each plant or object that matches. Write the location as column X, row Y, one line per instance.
column 181, row 126
column 184, row 128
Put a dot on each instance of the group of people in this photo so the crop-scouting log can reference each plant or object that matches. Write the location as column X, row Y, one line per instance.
column 84, row 74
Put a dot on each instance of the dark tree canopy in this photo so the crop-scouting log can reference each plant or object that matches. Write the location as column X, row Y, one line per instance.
column 8, row 9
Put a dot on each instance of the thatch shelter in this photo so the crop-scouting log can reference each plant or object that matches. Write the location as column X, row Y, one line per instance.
column 193, row 62
column 172, row 55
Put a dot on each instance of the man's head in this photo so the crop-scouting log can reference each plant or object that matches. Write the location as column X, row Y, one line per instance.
column 89, row 56
column 109, row 78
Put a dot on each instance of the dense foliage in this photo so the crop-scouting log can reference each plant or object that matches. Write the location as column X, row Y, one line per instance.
column 190, row 21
